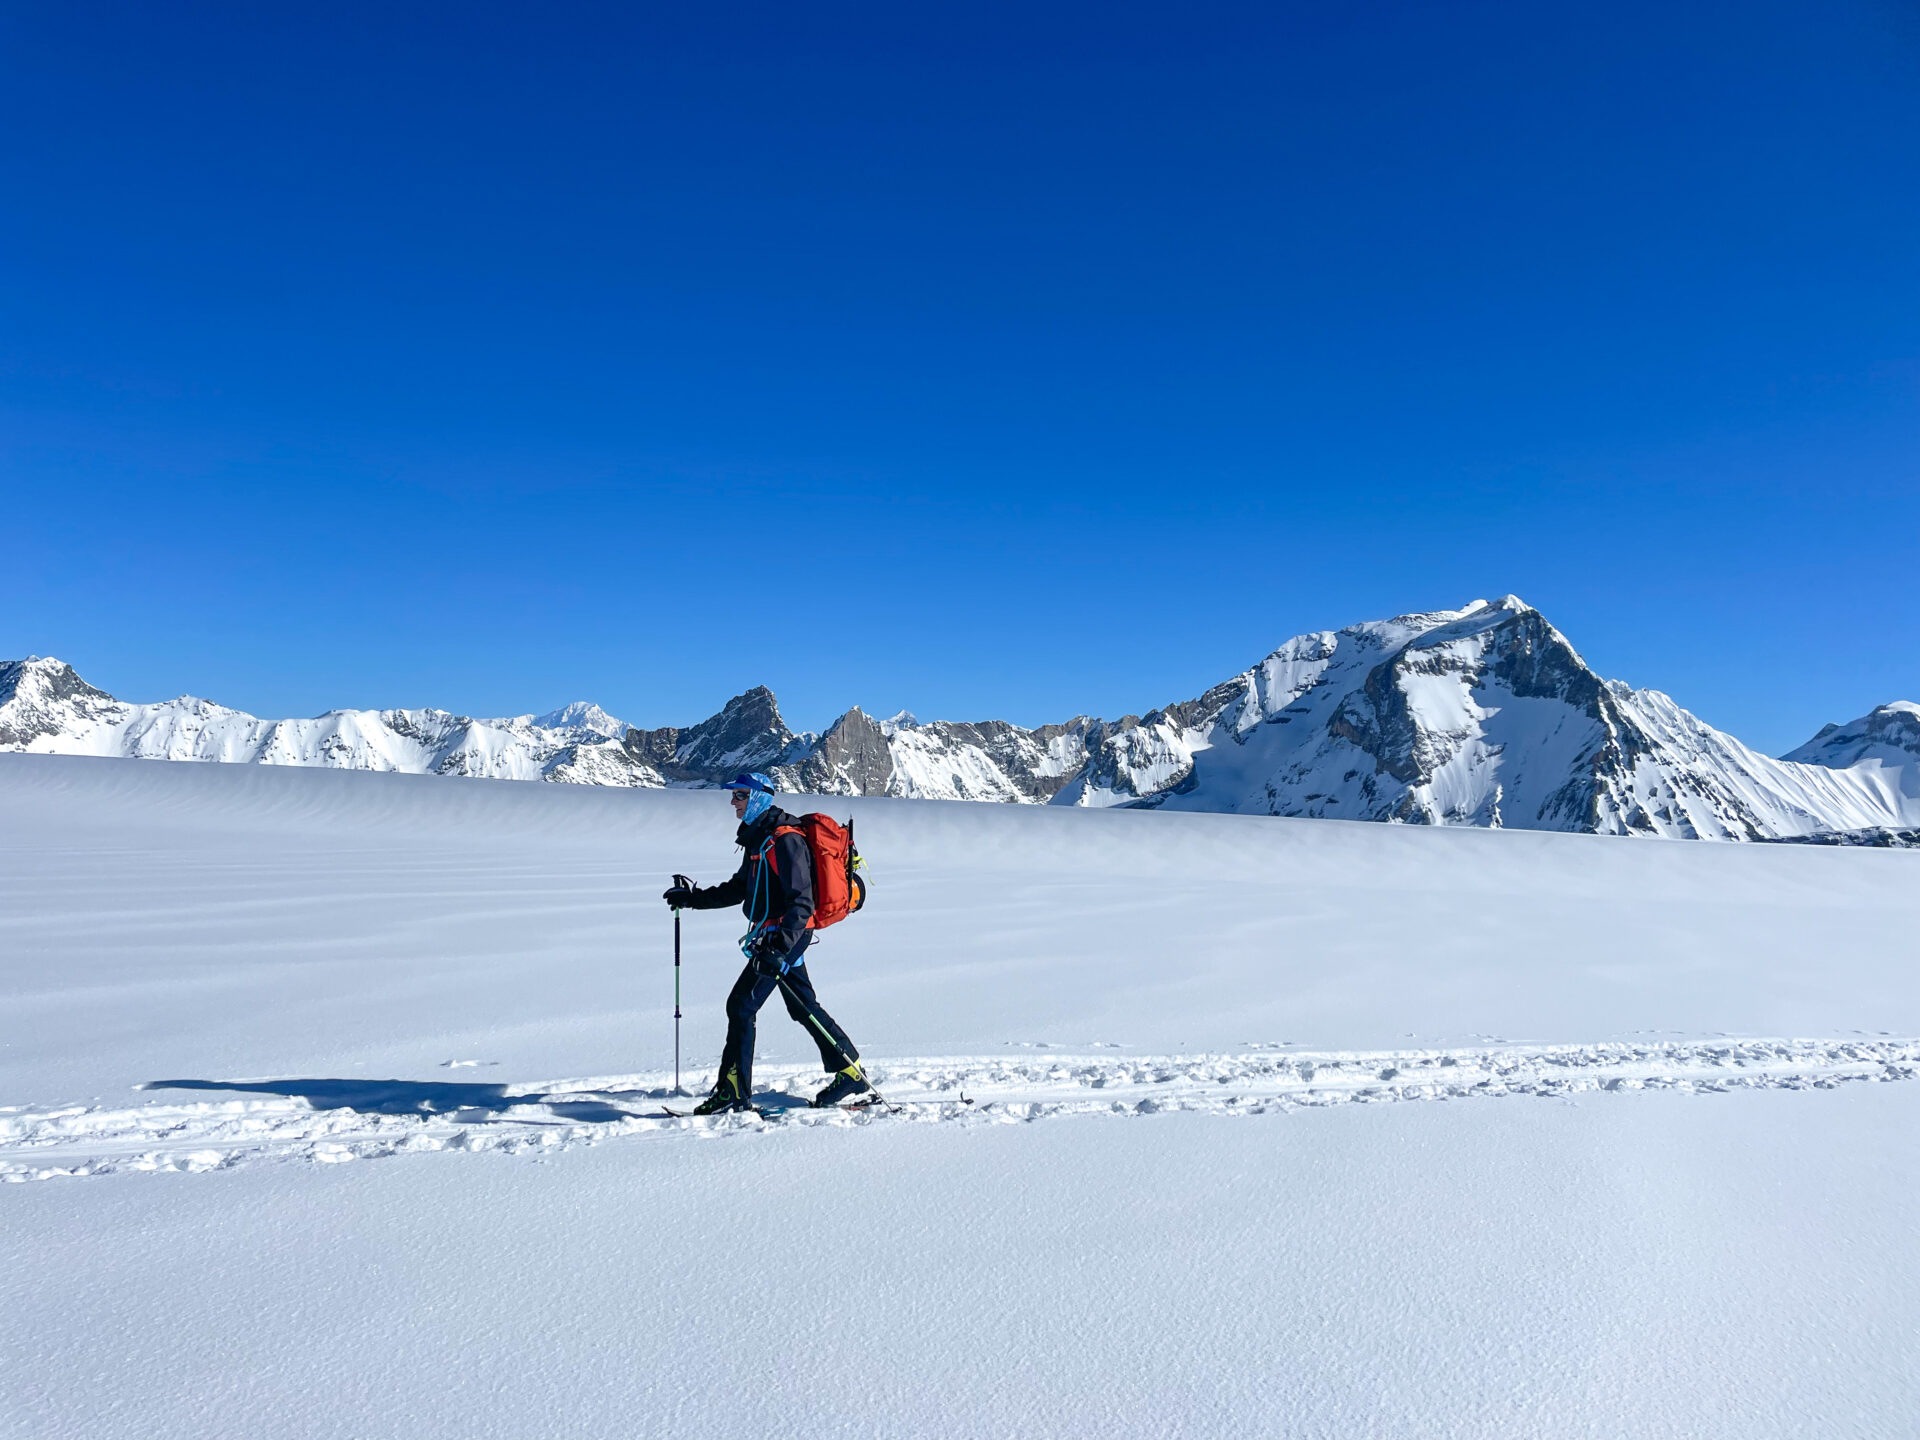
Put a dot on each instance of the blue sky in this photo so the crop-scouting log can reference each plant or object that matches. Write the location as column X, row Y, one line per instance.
column 1011, row 361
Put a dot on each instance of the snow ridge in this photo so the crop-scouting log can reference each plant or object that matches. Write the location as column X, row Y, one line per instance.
column 1483, row 716
column 331, row 1121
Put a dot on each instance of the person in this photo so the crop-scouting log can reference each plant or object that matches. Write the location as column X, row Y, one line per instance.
column 774, row 888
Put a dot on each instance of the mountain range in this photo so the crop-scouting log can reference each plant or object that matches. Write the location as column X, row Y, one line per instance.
column 1480, row 716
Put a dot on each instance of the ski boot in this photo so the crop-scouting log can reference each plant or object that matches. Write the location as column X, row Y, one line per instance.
column 726, row 1097
column 850, row 1081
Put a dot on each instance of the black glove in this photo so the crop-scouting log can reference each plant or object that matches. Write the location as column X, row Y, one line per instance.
column 680, row 894
column 769, row 956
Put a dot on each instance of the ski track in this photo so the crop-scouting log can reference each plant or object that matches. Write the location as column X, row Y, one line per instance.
column 330, row 1121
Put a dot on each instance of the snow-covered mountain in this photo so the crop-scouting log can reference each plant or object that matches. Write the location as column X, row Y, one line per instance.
column 1480, row 716
column 46, row 708
column 1888, row 737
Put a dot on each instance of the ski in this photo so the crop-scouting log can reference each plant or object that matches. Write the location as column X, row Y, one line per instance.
column 865, row 1102
column 868, row 1101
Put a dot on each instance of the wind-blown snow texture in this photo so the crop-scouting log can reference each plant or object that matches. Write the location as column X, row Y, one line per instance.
column 331, row 1104
column 1484, row 716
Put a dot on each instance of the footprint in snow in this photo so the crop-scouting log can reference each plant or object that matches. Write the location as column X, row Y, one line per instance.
column 333, row 1120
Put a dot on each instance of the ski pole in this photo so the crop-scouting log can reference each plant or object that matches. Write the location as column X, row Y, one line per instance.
column 676, row 999
column 684, row 883
column 793, row 998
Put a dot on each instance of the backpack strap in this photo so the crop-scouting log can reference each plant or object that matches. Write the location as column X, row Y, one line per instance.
column 766, row 850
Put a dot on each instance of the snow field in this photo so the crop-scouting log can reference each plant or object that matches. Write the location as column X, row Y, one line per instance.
column 1274, row 1211
column 213, row 922
column 1585, row 1268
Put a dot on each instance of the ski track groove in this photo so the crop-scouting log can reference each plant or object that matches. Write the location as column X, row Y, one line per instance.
column 371, row 1119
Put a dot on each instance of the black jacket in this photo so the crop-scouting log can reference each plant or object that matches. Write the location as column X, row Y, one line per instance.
column 774, row 884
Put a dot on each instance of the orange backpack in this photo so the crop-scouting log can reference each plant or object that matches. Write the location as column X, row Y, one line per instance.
column 839, row 888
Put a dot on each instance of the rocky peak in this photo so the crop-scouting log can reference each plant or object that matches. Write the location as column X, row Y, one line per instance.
column 852, row 758
column 41, row 697
column 747, row 734
column 1534, row 662
column 42, row 679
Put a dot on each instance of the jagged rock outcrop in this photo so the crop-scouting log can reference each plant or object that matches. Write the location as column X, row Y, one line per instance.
column 747, row 734
column 852, row 758
column 1880, row 838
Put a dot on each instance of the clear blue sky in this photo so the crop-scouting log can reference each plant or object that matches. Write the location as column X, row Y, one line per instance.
column 1010, row 361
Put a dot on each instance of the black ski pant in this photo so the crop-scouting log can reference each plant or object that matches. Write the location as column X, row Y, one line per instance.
column 750, row 992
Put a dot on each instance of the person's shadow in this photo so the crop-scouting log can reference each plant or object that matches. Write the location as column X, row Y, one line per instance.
column 467, row 1103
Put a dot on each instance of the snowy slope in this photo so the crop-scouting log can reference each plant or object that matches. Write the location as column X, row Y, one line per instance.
column 1880, row 749
column 1484, row 716
column 332, row 1103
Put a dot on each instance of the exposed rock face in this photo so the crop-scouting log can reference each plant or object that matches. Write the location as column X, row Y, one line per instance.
column 1481, row 716
column 852, row 758
column 747, row 734
column 1884, row 838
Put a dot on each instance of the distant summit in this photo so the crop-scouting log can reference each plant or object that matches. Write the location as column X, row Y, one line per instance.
column 582, row 717
column 1483, row 716
column 1888, row 736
